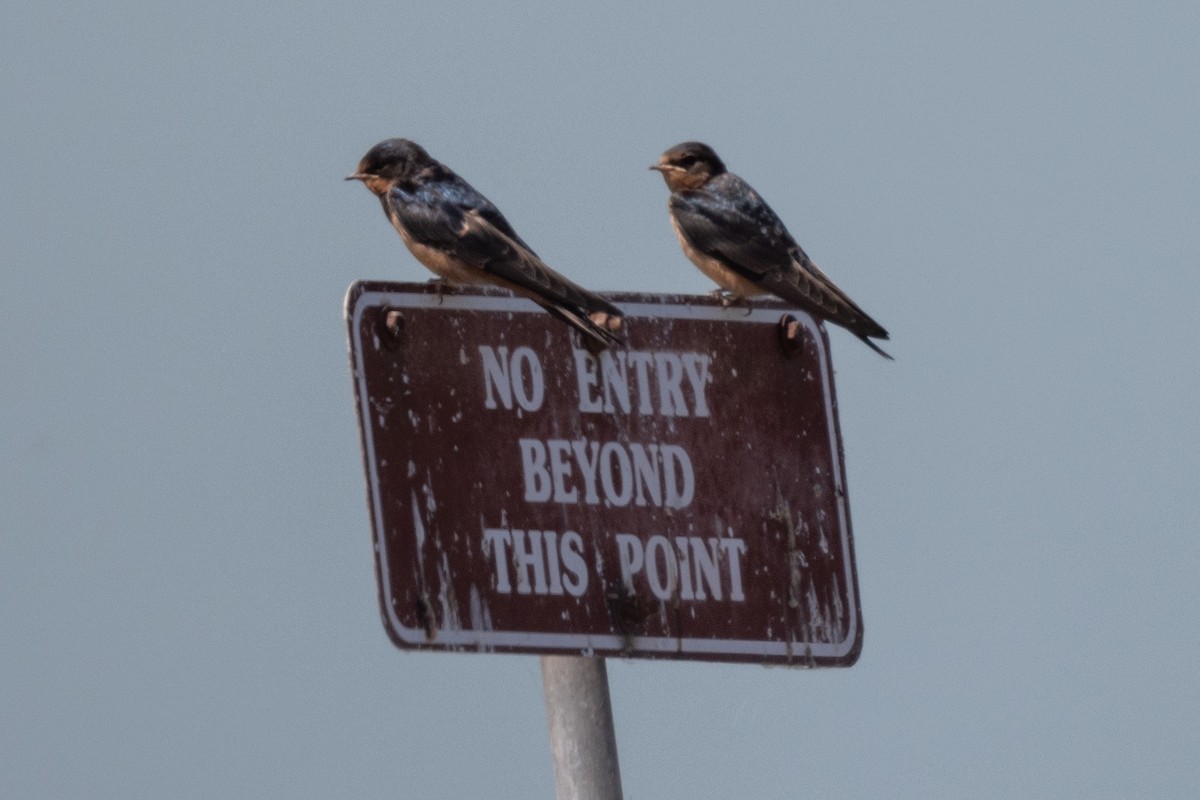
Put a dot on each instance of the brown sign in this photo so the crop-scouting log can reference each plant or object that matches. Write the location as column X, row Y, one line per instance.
column 680, row 497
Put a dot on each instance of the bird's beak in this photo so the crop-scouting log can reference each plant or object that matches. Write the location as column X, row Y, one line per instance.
column 659, row 167
column 358, row 176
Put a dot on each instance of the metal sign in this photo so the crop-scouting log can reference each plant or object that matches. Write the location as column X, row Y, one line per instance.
column 680, row 497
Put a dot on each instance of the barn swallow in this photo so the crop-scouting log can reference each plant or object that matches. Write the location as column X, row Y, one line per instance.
column 734, row 237
column 458, row 234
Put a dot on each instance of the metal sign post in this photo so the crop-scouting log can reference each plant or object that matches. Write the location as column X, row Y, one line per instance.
column 583, row 741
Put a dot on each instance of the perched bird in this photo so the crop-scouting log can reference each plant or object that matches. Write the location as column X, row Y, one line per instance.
column 734, row 237
column 459, row 235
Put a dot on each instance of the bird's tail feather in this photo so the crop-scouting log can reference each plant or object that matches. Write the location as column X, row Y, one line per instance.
column 875, row 347
column 594, row 334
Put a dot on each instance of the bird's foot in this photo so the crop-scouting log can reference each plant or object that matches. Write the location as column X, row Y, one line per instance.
column 440, row 286
column 607, row 322
column 728, row 299
column 605, row 330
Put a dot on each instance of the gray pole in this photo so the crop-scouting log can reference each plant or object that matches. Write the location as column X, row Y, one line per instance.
column 582, row 739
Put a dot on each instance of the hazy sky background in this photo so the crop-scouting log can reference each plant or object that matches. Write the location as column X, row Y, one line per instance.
column 187, row 599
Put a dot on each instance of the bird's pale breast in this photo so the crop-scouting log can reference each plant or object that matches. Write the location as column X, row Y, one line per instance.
column 441, row 263
column 720, row 274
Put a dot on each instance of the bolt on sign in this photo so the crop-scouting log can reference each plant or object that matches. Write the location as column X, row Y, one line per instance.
column 682, row 496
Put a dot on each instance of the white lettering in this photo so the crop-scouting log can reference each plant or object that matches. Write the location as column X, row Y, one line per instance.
column 707, row 572
column 572, row 559
column 560, row 470
column 495, row 374
column 680, row 484
column 647, row 474
column 662, row 585
column 533, row 465
column 582, row 450
column 631, row 557
column 687, row 568
column 696, row 366
column 588, row 379
column 669, row 367
column 552, row 568
column 733, row 551
column 615, row 372
column 692, row 567
column 505, row 379
column 545, row 563
column 641, row 362
column 685, row 571
column 617, row 382
column 608, row 476
column 611, row 472
column 528, row 397
column 526, row 558
column 498, row 539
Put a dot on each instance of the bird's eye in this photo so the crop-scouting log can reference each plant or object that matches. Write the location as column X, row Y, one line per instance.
column 687, row 161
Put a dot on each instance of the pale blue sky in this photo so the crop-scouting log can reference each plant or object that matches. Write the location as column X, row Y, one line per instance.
column 187, row 599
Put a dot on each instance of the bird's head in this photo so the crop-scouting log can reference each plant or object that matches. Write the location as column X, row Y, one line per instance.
column 390, row 162
column 689, row 166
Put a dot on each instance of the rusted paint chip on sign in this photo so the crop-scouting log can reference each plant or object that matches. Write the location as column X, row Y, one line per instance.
column 679, row 497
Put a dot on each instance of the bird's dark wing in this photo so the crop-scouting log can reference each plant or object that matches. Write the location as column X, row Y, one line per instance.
column 459, row 221
column 519, row 267
column 510, row 260
column 432, row 208
column 820, row 294
column 727, row 220
column 458, row 192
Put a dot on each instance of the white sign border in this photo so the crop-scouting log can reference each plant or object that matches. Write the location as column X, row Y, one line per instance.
column 588, row 644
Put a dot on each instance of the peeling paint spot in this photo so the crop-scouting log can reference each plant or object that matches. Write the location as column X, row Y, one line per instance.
column 446, row 596
column 481, row 615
